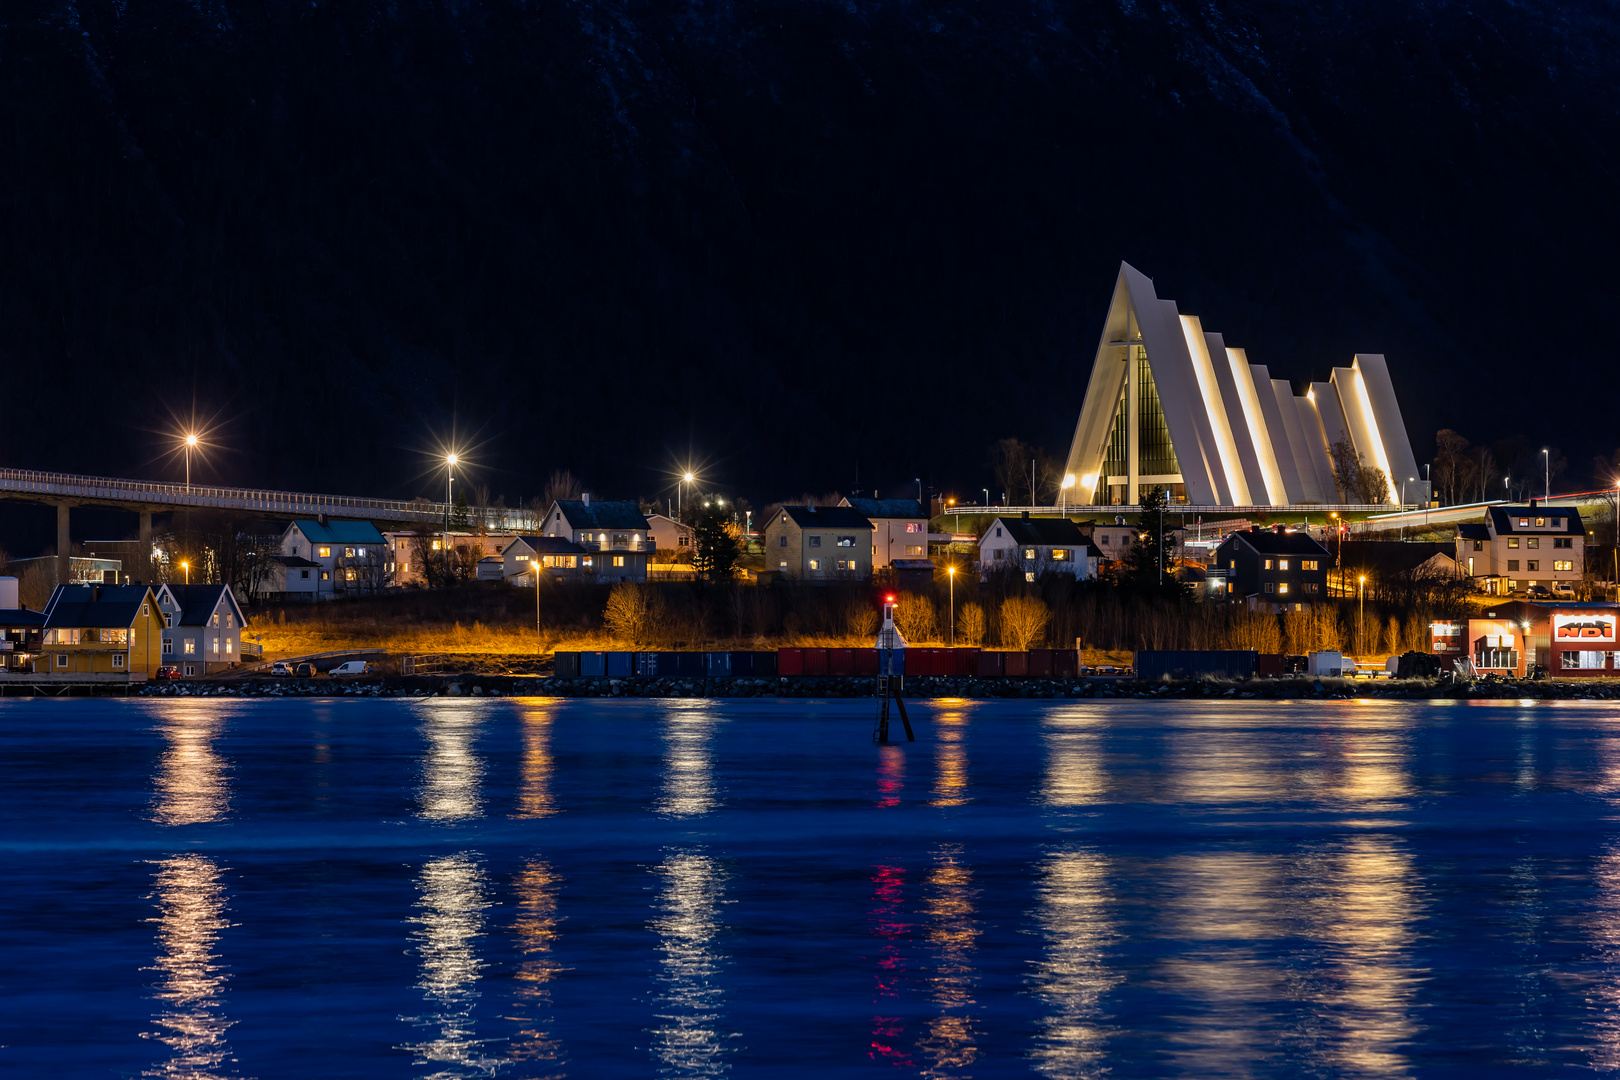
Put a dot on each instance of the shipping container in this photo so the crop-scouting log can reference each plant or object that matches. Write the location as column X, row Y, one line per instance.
column 593, row 664
column 646, row 664
column 840, row 661
column 1040, row 663
column 790, row 661
column 620, row 664
column 1015, row 664
column 717, row 665
column 765, row 663
column 1192, row 663
column 965, row 661
column 1269, row 664
column 1065, row 663
column 565, row 665
column 990, row 663
column 815, row 661
column 866, row 661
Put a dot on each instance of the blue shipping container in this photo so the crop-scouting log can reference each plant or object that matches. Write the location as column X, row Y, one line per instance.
column 565, row 665
column 620, row 664
column 1192, row 663
column 593, row 664
column 717, row 665
column 646, row 664
column 764, row 663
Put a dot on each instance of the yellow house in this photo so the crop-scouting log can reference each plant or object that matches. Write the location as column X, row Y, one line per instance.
column 101, row 630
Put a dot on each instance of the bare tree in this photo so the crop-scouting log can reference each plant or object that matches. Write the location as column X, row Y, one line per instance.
column 1023, row 621
column 628, row 615
column 970, row 623
column 862, row 619
column 914, row 617
column 562, row 485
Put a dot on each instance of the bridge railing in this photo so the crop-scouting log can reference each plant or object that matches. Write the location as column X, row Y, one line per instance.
column 158, row 493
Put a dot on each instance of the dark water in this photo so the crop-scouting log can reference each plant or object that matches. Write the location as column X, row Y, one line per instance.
column 677, row 888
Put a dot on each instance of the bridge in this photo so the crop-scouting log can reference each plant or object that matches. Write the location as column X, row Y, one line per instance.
column 145, row 497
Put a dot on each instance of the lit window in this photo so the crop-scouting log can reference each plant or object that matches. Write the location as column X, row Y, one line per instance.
column 1307, row 564
column 618, row 560
column 844, row 541
column 782, row 565
column 349, row 574
column 912, row 550
column 1267, row 564
column 913, row 527
column 1479, row 545
column 1059, row 554
column 1563, row 564
column 1282, row 564
column 326, row 575
column 1513, row 541
column 191, row 646
column 229, row 646
column 436, row 544
column 144, row 612
column 1029, row 553
column 1532, row 541
column 230, row 621
column 1524, row 523
column 815, row 564
column 326, row 552
column 348, row 553
column 1283, row 587
column 216, row 618
column 1541, row 523
column 1029, row 575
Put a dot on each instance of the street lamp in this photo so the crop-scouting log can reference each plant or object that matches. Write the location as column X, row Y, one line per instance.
column 449, row 487
column 950, row 575
column 187, row 568
column 986, row 497
column 534, row 565
column 1361, row 640
column 680, row 493
column 191, row 441
column 1546, row 466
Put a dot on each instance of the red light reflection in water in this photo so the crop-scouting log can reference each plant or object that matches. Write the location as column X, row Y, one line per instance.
column 891, row 777
column 888, row 884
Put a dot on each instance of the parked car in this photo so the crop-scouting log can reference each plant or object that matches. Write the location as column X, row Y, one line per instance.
column 1540, row 592
column 167, row 673
column 281, row 667
column 353, row 667
column 306, row 671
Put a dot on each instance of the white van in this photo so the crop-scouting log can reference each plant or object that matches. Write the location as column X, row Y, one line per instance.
column 352, row 667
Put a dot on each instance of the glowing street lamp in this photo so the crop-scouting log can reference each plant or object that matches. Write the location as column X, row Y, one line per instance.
column 187, row 568
column 1361, row 588
column 950, row 575
column 449, row 486
column 680, row 493
column 534, row 565
column 191, row 441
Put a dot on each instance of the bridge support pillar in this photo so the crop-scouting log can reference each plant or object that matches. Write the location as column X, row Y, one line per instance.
column 143, row 563
column 64, row 545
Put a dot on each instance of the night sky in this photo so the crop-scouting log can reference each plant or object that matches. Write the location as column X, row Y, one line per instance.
column 787, row 240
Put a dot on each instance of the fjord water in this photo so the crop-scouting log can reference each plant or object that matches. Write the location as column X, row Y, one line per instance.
column 540, row 888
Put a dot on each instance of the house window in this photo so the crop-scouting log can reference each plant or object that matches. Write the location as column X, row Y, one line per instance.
column 913, row 527
column 1282, row 564
column 1563, row 541
column 1029, row 553
column 1266, row 564
column 61, row 659
column 119, row 636
column 305, row 574
column 1541, row 523
column 1308, row 564
column 191, row 646
column 844, row 541
column 118, row 659
column 230, row 646
column 1231, row 564
column 326, row 575
column 1586, row 660
column 230, row 621
column 782, row 565
column 1060, row 554
column 998, row 530
column 191, row 669
column 1513, row 541
column 1282, row 588
column 620, row 539
column 1524, row 523
column 326, row 552
column 168, row 646
column 1271, row 586
column 782, row 540
column 618, row 560
column 1558, row 523
column 1029, row 575
column 348, row 553
column 1532, row 541
column 842, row 565
column 1479, row 545
column 1310, row 587
column 350, row 574
column 1563, row 564
column 402, row 545
column 815, row 564
column 216, row 619
column 436, row 544
column 1513, row 564
column 144, row 612
column 815, row 541
column 1533, row 564
column 912, row 551
column 1103, row 539
column 65, row 636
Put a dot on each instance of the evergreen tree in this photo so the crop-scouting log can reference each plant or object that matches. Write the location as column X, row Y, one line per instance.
column 1148, row 569
column 714, row 540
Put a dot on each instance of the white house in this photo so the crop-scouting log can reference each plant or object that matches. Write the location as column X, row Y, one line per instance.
column 670, row 535
column 1113, row 541
column 202, row 627
column 561, row 559
column 349, row 556
column 1035, row 546
column 899, row 528
column 615, row 535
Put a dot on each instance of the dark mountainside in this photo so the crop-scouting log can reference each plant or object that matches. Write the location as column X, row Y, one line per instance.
column 789, row 235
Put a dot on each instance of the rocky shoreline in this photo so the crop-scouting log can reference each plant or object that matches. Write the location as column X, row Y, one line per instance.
column 919, row 687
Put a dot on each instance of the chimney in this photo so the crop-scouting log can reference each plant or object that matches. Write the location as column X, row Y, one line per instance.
column 585, row 498
column 1025, row 515
column 321, row 518
column 8, row 594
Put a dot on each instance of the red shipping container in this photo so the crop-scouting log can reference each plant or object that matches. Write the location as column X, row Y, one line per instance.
column 866, row 662
column 790, row 661
column 965, row 661
column 815, row 661
column 920, row 661
column 840, row 661
column 1268, row 663
column 1065, row 663
column 1015, row 664
column 1040, row 663
column 990, row 663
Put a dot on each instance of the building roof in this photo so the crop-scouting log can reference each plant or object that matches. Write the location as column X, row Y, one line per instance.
column 887, row 508
column 625, row 514
column 826, row 517
column 1272, row 542
column 21, row 617
column 548, row 545
column 1042, row 532
column 198, row 602
column 1505, row 520
column 340, row 532
column 1473, row 531
column 1393, row 556
column 94, row 605
column 294, row 562
column 912, row 564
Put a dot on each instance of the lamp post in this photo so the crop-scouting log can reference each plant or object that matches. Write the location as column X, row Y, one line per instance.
column 449, row 487
column 191, row 441
column 1063, row 492
column 534, row 566
column 1546, row 473
column 950, row 575
column 1361, row 615
column 680, row 494
column 986, row 497
column 187, row 568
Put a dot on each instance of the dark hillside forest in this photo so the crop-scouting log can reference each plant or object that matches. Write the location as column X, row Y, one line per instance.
column 790, row 235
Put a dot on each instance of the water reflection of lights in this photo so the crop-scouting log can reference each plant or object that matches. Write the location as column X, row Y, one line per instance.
column 1073, row 975
column 689, row 788
column 449, row 922
column 891, row 778
column 949, row 1045
column 950, row 759
column 688, row 1040
column 452, row 773
column 536, row 932
column 534, row 790
column 191, row 982
column 1074, row 760
column 891, row 930
column 1368, row 914
column 190, row 785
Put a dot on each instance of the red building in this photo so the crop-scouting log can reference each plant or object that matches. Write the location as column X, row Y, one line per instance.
column 1566, row 640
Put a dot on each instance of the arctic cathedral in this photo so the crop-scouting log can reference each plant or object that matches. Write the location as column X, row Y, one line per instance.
column 1170, row 405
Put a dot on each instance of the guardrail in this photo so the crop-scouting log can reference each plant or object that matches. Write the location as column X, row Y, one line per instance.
column 157, row 494
column 1180, row 508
